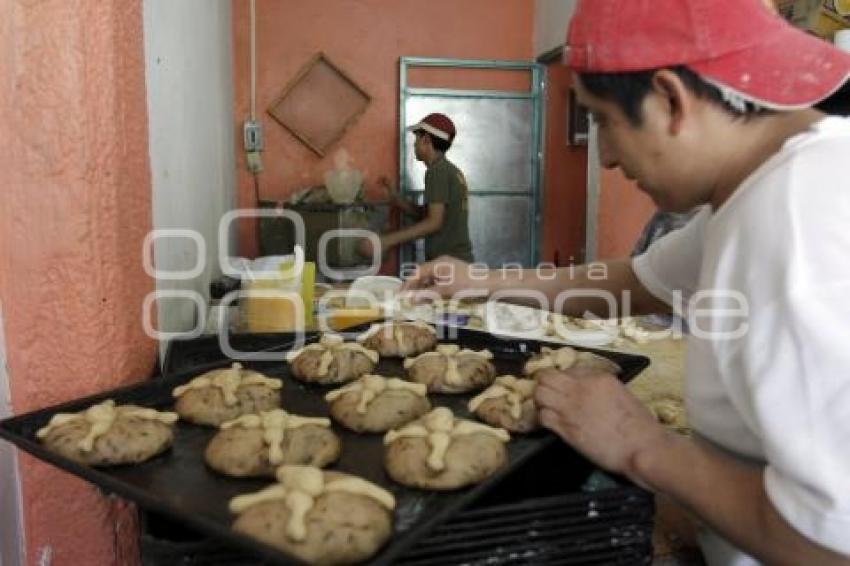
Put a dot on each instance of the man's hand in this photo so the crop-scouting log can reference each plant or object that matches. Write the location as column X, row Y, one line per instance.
column 392, row 194
column 390, row 190
column 598, row 416
column 367, row 250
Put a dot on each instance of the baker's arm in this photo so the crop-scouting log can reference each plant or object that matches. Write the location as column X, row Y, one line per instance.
column 432, row 223
column 427, row 226
column 600, row 418
column 399, row 201
column 571, row 290
column 729, row 496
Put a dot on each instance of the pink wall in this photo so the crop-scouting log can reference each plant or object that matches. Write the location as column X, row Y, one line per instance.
column 76, row 205
column 623, row 212
column 623, row 209
column 365, row 38
column 565, row 177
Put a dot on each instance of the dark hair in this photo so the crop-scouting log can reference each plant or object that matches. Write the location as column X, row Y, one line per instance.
column 439, row 144
column 628, row 91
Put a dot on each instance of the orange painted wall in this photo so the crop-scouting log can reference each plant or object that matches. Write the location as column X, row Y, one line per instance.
column 365, row 38
column 623, row 212
column 565, row 177
column 76, row 205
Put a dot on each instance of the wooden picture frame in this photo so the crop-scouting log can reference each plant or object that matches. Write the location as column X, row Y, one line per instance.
column 319, row 104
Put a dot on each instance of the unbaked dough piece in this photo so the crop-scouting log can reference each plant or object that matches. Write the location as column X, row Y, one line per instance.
column 441, row 452
column 670, row 411
column 108, row 435
column 318, row 517
column 452, row 370
column 566, row 358
column 256, row 445
column 332, row 361
column 375, row 403
column 224, row 394
column 400, row 339
column 509, row 404
column 589, row 361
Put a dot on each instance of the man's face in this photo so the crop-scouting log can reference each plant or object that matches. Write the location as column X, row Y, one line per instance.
column 649, row 154
column 419, row 145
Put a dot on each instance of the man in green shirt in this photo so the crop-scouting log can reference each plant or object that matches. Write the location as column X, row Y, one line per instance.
column 445, row 224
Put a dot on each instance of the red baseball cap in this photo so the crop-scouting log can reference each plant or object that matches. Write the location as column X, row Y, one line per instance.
column 438, row 125
column 740, row 46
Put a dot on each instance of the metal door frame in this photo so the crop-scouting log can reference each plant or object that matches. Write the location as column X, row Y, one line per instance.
column 535, row 95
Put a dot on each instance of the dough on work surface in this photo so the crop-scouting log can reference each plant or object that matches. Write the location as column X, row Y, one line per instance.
column 256, row 445
column 332, row 360
column 660, row 387
column 509, row 404
column 670, row 412
column 452, row 370
column 377, row 404
column 400, row 339
column 224, row 394
column 107, row 435
column 441, row 452
column 318, row 517
column 567, row 358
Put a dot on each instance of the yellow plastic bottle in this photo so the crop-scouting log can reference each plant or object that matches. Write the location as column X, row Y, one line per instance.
column 308, row 285
column 271, row 305
column 282, row 303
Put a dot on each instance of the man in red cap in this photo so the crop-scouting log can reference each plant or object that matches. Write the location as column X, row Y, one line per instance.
column 445, row 225
column 709, row 103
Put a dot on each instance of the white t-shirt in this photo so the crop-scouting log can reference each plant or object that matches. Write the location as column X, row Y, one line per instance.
column 780, row 392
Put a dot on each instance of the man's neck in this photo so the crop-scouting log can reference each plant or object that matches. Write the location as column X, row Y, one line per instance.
column 752, row 143
column 433, row 158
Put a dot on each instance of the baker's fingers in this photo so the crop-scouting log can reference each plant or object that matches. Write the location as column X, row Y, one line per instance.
column 557, row 380
column 552, row 420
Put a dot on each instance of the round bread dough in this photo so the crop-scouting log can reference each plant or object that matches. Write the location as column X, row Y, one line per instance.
column 377, row 404
column 318, row 517
column 567, row 358
column 440, row 452
column 400, row 339
column 452, row 370
column 331, row 361
column 509, row 404
column 224, row 394
column 106, row 435
column 594, row 363
column 256, row 445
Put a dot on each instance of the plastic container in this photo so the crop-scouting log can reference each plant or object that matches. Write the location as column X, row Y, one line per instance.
column 343, row 185
column 373, row 290
column 278, row 294
column 272, row 306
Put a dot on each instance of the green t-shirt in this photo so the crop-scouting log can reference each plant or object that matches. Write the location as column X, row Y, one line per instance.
column 445, row 183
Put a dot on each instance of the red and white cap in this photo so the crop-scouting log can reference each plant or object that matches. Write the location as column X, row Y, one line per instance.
column 740, row 46
column 438, row 125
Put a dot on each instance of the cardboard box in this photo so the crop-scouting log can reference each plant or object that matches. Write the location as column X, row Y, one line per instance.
column 825, row 17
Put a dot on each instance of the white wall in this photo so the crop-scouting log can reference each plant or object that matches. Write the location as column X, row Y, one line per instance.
column 550, row 23
column 11, row 531
column 189, row 74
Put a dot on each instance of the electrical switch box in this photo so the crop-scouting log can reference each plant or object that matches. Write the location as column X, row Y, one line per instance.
column 252, row 134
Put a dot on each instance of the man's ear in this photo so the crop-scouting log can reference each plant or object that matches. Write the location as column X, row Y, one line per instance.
column 676, row 99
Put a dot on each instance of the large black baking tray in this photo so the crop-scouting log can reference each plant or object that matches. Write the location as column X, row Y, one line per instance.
column 179, row 485
column 206, row 351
